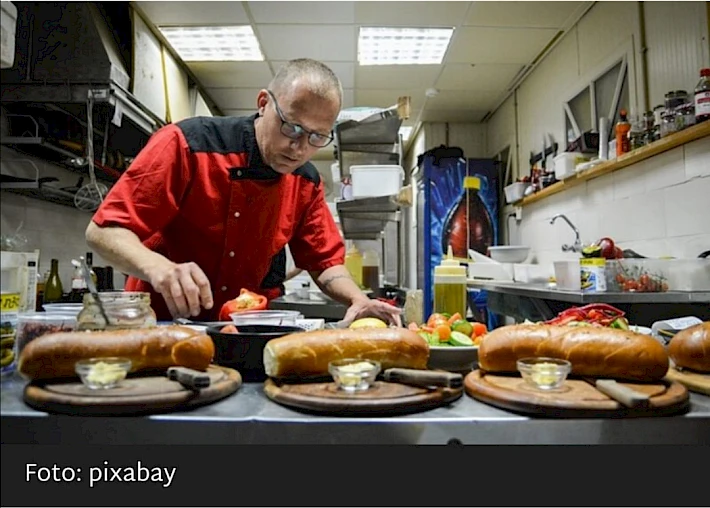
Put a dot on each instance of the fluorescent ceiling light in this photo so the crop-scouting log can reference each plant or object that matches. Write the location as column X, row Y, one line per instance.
column 406, row 131
column 402, row 46
column 213, row 43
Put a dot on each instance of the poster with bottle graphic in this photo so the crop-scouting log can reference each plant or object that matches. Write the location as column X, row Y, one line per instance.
column 461, row 210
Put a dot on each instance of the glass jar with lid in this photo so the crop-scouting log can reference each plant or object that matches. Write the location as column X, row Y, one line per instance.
column 668, row 123
column 124, row 309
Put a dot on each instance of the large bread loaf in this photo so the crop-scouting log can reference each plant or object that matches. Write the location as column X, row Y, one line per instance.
column 307, row 354
column 54, row 355
column 690, row 348
column 593, row 351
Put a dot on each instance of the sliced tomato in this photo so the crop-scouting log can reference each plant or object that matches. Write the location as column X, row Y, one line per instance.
column 454, row 318
column 436, row 319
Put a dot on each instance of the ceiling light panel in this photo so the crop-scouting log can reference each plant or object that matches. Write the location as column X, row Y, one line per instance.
column 402, row 46
column 214, row 43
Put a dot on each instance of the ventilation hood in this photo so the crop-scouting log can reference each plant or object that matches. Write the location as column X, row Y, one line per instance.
column 66, row 49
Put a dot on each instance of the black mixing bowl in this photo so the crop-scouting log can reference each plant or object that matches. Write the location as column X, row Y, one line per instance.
column 244, row 351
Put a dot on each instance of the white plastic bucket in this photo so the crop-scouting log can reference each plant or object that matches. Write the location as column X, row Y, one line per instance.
column 375, row 180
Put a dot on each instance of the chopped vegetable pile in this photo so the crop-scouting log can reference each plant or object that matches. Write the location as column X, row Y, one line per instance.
column 441, row 329
column 594, row 314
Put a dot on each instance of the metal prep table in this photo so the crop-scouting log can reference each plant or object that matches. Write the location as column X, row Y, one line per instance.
column 249, row 417
column 538, row 302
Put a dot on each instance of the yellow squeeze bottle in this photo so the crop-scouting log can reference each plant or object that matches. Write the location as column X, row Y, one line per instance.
column 450, row 286
column 353, row 262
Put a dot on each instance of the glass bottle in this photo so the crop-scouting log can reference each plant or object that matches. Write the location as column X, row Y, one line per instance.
column 702, row 97
column 371, row 270
column 53, row 290
column 90, row 263
column 353, row 262
column 124, row 309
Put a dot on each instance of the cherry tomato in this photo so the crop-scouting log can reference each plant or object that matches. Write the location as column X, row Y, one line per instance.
column 631, row 285
column 479, row 329
column 437, row 319
column 620, row 278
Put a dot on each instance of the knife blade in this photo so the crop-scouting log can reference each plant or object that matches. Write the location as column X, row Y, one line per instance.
column 620, row 393
column 423, row 378
column 189, row 378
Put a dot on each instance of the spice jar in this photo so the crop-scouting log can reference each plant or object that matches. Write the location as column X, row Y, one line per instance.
column 124, row 309
column 668, row 123
column 676, row 98
column 685, row 116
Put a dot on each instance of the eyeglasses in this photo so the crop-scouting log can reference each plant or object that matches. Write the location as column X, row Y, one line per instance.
column 295, row 131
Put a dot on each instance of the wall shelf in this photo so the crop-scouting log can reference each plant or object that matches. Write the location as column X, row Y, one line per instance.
column 646, row 152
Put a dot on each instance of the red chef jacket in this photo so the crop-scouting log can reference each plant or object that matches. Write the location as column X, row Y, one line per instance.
column 199, row 191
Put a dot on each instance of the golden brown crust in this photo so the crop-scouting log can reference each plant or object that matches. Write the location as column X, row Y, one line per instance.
column 307, row 354
column 690, row 348
column 593, row 351
column 54, row 355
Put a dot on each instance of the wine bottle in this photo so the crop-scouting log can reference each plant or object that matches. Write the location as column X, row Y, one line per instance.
column 53, row 290
column 90, row 263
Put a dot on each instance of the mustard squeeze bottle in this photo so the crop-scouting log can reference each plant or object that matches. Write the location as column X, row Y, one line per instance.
column 450, row 286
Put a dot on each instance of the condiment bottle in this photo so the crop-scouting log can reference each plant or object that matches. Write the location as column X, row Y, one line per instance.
column 702, row 97
column 353, row 262
column 371, row 270
column 53, row 290
column 450, row 286
column 622, row 133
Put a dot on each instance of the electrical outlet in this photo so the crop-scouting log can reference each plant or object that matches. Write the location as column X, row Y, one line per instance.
column 518, row 213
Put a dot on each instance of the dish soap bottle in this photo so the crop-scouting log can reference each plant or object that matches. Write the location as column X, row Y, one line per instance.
column 450, row 286
column 353, row 262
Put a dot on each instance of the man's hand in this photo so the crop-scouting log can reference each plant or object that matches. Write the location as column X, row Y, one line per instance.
column 184, row 287
column 365, row 307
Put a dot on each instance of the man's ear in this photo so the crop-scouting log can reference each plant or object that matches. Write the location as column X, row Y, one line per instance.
column 261, row 101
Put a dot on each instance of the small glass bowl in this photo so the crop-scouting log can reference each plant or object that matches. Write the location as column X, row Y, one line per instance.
column 354, row 375
column 544, row 373
column 102, row 373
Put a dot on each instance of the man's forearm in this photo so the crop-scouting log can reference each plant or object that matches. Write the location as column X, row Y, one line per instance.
column 123, row 249
column 337, row 283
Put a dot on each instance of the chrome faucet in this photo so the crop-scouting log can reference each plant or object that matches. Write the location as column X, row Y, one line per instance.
column 577, row 247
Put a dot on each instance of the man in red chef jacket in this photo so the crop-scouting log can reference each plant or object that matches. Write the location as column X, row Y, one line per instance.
column 209, row 204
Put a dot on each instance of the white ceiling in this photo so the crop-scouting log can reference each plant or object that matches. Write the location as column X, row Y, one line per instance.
column 493, row 42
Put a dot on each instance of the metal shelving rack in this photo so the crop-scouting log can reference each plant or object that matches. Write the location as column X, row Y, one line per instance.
column 379, row 137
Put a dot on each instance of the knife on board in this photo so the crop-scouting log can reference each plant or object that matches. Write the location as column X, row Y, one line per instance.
column 189, row 378
column 620, row 393
column 423, row 378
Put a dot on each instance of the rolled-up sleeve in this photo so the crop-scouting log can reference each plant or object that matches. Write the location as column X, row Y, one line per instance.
column 317, row 243
column 147, row 196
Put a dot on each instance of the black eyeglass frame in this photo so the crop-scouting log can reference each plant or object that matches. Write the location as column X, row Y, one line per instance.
column 297, row 131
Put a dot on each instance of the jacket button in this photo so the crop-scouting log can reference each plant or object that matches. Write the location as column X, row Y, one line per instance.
column 239, row 173
column 224, row 288
column 236, row 214
column 231, row 254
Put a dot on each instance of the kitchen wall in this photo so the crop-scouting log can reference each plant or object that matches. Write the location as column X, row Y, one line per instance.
column 657, row 207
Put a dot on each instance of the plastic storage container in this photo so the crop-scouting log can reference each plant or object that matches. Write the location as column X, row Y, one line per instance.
column 566, row 163
column 373, row 181
column 515, row 192
column 31, row 325
column 658, row 275
column 371, row 270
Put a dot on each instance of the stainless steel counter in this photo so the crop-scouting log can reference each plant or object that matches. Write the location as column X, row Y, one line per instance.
column 249, row 416
column 546, row 292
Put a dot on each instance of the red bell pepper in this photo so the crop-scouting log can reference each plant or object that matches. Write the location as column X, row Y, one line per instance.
column 247, row 300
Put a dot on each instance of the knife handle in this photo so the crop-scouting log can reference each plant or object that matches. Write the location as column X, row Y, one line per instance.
column 627, row 396
column 418, row 377
column 189, row 378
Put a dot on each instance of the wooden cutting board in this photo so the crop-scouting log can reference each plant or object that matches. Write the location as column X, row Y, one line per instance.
column 137, row 394
column 693, row 381
column 576, row 399
column 379, row 400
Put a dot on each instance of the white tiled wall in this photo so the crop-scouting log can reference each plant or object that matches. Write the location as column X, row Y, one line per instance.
column 56, row 230
column 658, row 207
